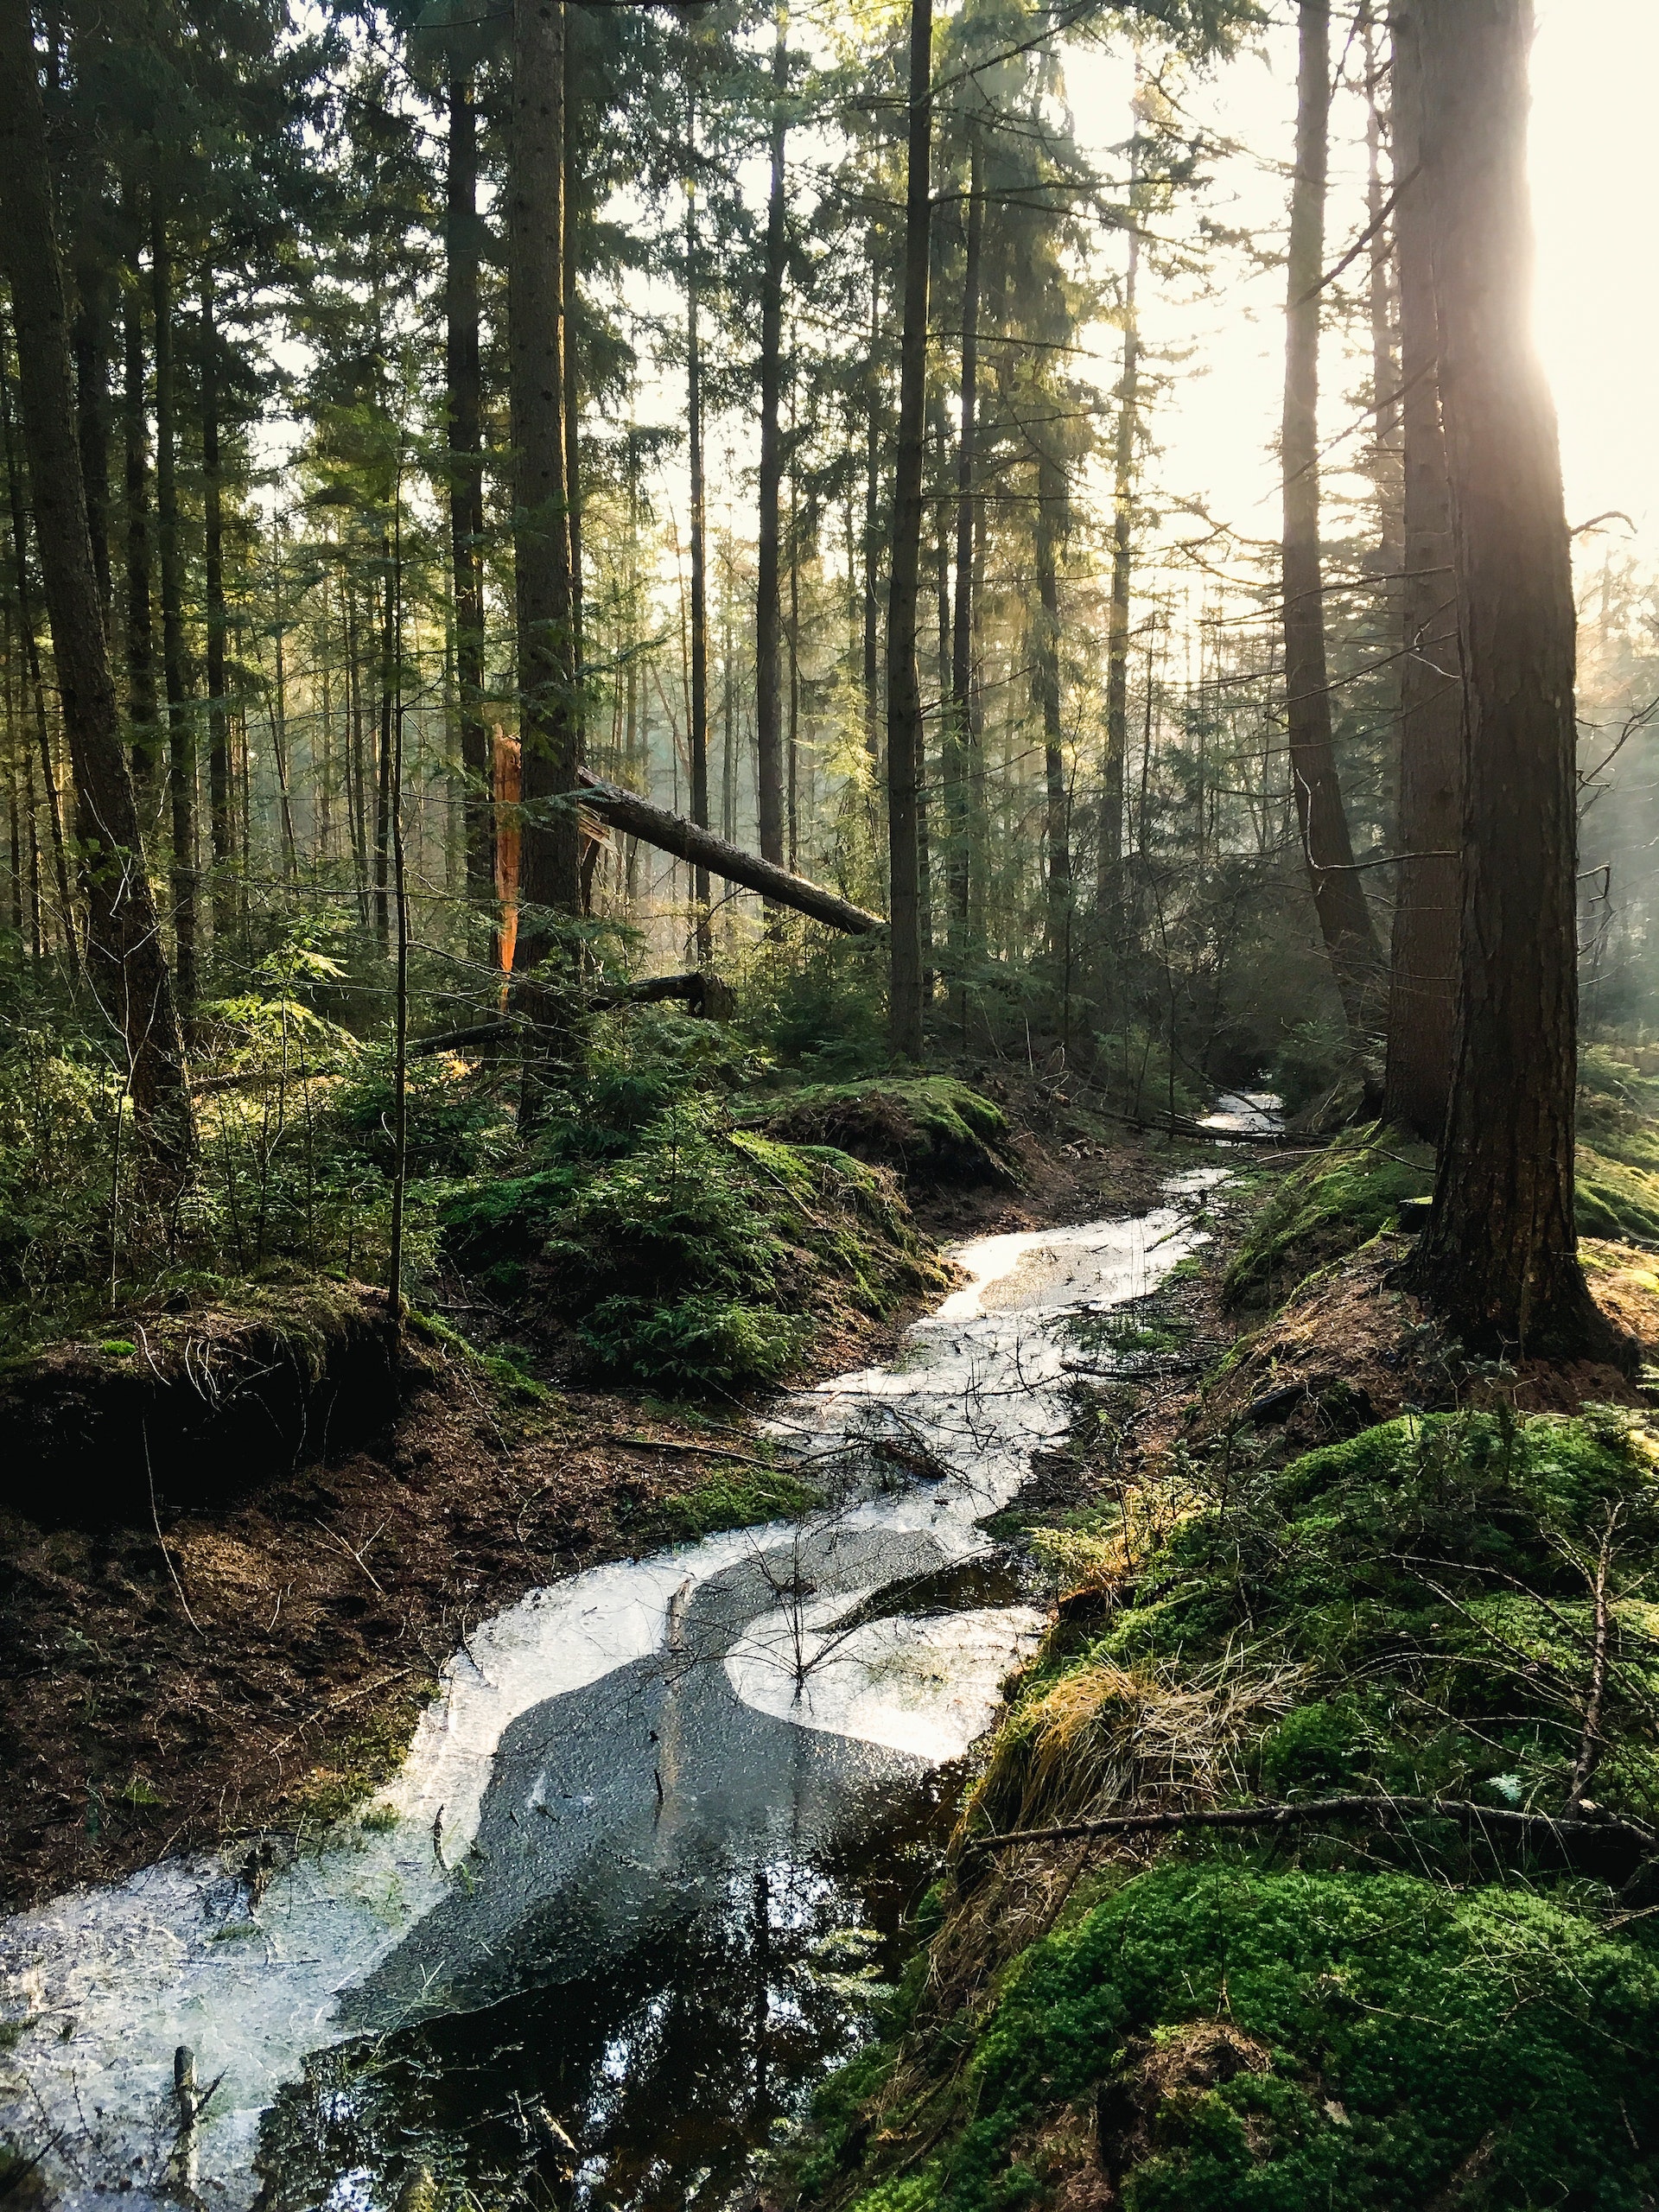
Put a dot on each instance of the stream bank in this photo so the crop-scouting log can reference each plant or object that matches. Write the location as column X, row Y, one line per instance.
column 815, row 1660
column 1331, row 1794
column 254, row 1665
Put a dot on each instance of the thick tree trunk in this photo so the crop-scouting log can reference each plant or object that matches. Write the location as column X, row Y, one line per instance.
column 32, row 664
column 1051, row 525
column 1338, row 898
column 697, row 735
column 92, row 353
column 768, row 608
column 180, row 738
column 466, row 417
column 218, row 735
column 134, row 423
column 551, row 882
column 871, row 662
column 957, row 773
column 1499, row 1256
column 128, row 969
column 1423, row 968
column 904, row 689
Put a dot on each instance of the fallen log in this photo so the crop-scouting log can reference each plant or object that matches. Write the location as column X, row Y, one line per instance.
column 672, row 833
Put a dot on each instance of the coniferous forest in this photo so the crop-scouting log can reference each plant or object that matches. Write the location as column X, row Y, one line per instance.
column 828, row 1111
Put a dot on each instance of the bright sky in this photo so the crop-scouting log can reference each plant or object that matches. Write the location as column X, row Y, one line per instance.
column 1595, row 63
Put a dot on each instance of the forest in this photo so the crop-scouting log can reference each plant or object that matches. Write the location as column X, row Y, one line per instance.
column 829, row 1107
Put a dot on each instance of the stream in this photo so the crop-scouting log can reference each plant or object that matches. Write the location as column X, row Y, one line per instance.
column 647, row 1870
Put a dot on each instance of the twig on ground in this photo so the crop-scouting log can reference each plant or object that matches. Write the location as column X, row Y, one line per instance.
column 1323, row 1809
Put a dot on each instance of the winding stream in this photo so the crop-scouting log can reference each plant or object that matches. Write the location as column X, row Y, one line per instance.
column 645, row 1867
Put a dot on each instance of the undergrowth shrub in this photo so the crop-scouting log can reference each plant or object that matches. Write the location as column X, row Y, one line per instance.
column 698, row 1254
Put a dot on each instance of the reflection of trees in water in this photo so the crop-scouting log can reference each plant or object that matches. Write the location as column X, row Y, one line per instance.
column 650, row 2080
column 626, row 2087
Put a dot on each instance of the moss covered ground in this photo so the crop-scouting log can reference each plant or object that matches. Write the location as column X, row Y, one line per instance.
column 1392, row 2007
column 933, row 1129
column 1400, row 2013
column 1335, row 1201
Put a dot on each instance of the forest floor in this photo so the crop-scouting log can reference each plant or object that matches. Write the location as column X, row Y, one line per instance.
column 1320, row 1552
column 248, row 1669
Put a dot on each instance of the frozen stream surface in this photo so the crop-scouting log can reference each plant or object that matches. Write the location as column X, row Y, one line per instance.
column 646, row 1865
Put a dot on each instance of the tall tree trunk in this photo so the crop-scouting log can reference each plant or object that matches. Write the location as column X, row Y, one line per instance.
column 768, row 610
column 551, row 880
column 573, row 384
column 1422, row 981
column 955, row 771
column 382, row 750
column 220, row 822
column 129, row 970
column 1339, row 898
column 1051, row 525
column 792, row 747
column 32, row 663
column 1499, row 1257
column 135, row 423
column 92, row 354
column 904, row 689
column 466, row 419
column 872, row 530
column 1385, row 420
column 181, row 740
column 1108, row 867
column 697, row 733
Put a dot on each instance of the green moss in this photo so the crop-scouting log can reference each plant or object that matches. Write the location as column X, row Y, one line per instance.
column 931, row 1129
column 1244, row 2039
column 1340, row 1199
column 1329, row 1206
column 701, row 1256
column 735, row 1499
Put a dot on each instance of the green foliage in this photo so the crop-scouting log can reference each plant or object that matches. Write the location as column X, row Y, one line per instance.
column 735, row 1498
column 932, row 1128
column 1268, row 2042
column 1427, row 1586
column 1311, row 1059
column 1329, row 1206
column 687, row 1252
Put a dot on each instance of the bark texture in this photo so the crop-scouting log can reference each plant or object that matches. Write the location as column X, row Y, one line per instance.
column 1051, row 527
column 551, row 883
column 464, row 408
column 768, row 606
column 181, row 735
column 698, row 733
column 1109, row 880
column 688, row 840
column 218, row 740
column 128, row 968
column 1499, row 1256
column 1423, row 962
column 903, row 689
column 1328, row 849
column 957, row 762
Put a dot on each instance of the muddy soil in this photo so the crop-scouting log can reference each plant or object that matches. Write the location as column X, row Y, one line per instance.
column 257, row 1666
